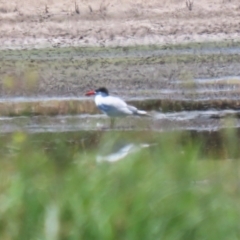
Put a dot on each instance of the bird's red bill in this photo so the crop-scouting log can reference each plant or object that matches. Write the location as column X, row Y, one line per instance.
column 90, row 93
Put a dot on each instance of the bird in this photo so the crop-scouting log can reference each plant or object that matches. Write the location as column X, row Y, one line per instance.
column 113, row 106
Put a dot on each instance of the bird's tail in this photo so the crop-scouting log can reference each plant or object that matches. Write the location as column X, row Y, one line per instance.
column 142, row 113
column 137, row 112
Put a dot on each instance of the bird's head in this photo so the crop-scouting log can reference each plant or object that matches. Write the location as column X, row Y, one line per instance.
column 102, row 91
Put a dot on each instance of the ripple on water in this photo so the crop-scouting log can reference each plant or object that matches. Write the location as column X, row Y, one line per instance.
column 211, row 120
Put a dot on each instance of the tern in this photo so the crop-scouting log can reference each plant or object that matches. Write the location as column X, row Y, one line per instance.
column 113, row 106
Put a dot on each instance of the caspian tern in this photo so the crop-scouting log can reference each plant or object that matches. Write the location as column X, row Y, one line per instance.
column 113, row 106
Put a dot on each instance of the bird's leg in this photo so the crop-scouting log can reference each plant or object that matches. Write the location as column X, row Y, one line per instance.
column 112, row 122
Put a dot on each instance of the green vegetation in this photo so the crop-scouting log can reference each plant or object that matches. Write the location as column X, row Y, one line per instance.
column 52, row 188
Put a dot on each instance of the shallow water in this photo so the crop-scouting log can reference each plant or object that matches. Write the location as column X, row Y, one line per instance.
column 206, row 129
column 210, row 120
column 194, row 90
column 117, row 145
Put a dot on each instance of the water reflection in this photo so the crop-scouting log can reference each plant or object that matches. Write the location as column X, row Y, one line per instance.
column 120, row 150
column 112, row 146
column 210, row 120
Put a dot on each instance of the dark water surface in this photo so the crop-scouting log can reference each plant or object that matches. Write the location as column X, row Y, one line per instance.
column 115, row 145
column 83, row 133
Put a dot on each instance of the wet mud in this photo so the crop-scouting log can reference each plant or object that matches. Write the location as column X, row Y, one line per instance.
column 129, row 72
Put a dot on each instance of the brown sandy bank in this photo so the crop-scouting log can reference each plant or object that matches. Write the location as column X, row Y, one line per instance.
column 45, row 23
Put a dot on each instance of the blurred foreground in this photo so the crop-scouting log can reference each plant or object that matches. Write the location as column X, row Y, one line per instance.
column 53, row 188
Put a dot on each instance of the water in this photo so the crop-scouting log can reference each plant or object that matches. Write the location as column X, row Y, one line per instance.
column 189, row 90
column 130, row 135
column 209, row 120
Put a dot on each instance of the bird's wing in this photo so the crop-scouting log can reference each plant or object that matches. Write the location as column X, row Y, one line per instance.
column 132, row 108
column 111, row 102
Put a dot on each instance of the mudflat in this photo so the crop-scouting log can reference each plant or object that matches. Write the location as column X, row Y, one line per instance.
column 42, row 23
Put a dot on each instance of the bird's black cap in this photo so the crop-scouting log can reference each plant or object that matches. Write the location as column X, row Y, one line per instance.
column 103, row 90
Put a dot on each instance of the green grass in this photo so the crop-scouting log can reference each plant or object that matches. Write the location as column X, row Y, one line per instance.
column 52, row 188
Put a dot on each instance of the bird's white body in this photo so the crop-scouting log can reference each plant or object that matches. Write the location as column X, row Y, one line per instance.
column 115, row 107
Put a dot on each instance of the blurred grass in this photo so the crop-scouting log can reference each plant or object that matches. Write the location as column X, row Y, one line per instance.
column 52, row 188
